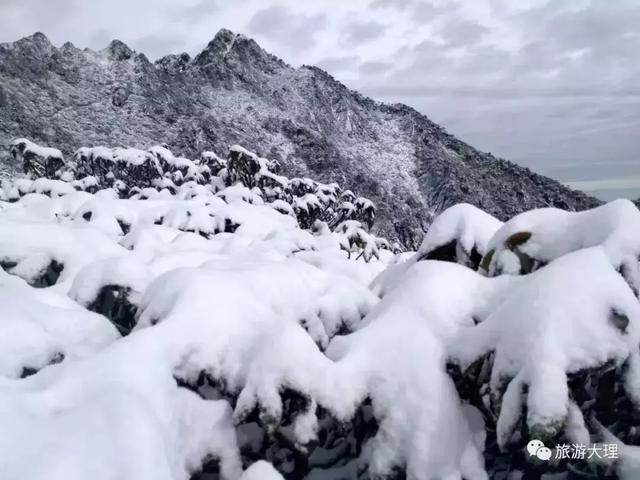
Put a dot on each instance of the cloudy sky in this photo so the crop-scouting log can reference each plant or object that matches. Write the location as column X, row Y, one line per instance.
column 551, row 84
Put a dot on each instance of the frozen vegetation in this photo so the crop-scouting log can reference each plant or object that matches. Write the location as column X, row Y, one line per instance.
column 211, row 318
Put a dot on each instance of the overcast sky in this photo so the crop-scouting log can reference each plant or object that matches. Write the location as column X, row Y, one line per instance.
column 553, row 85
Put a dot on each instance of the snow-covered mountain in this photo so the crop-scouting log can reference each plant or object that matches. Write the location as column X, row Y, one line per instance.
column 235, row 92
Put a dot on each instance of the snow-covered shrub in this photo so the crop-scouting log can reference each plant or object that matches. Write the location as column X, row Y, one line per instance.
column 459, row 234
column 360, row 209
column 246, row 167
column 213, row 161
column 120, row 168
column 546, row 360
column 37, row 161
column 157, row 172
column 113, row 288
column 96, row 162
column 307, row 209
column 194, row 319
column 150, row 218
column 239, row 192
column 354, row 238
column 294, row 406
column 533, row 239
column 179, row 169
column 314, row 201
column 136, row 168
column 46, row 254
column 39, row 328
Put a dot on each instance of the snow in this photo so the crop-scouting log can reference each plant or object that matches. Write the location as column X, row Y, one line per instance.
column 628, row 465
column 125, row 271
column 557, row 322
column 553, row 233
column 38, row 327
column 469, row 226
column 261, row 470
column 268, row 322
column 33, row 246
column 131, row 156
column 236, row 193
column 94, row 153
column 27, row 146
column 399, row 350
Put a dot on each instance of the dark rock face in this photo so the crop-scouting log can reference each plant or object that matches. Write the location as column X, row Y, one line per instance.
column 235, row 92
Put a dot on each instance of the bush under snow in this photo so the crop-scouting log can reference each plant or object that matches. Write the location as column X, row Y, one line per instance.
column 174, row 319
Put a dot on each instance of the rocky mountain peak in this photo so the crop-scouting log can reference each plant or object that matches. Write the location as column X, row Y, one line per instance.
column 118, row 50
column 39, row 39
column 218, row 48
column 238, row 51
column 174, row 62
column 68, row 46
column 37, row 44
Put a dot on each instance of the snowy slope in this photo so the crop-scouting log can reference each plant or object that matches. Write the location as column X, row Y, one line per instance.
column 235, row 92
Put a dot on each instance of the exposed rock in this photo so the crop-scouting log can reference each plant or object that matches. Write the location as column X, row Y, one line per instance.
column 119, row 51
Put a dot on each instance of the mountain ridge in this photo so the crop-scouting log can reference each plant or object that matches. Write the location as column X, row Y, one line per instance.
column 232, row 92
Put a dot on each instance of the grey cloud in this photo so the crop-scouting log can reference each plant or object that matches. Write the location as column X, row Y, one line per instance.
column 100, row 39
column 497, row 92
column 11, row 5
column 426, row 57
column 420, row 11
column 358, row 32
column 289, row 29
column 428, row 47
column 397, row 4
column 337, row 64
column 604, row 113
column 158, row 45
column 608, row 34
column 484, row 59
column 368, row 68
column 459, row 32
column 153, row 45
column 194, row 12
column 538, row 55
column 425, row 12
column 54, row 10
column 48, row 16
column 593, row 61
column 558, row 62
column 590, row 26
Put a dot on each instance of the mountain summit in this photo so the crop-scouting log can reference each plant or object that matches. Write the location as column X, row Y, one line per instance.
column 234, row 92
